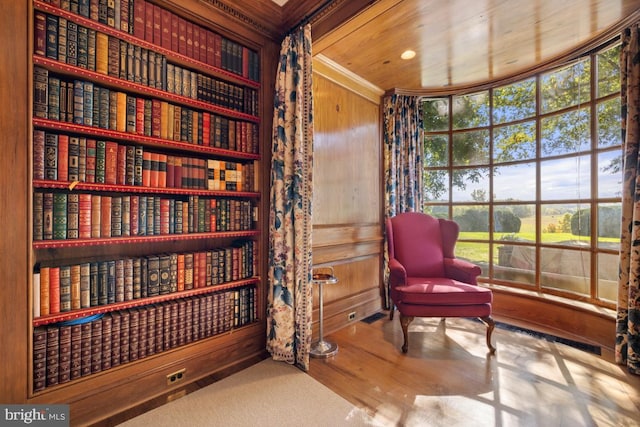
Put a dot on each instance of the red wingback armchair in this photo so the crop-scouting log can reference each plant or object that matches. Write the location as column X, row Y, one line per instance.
column 426, row 279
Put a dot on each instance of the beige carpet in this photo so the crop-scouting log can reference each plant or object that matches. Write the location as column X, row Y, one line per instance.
column 266, row 394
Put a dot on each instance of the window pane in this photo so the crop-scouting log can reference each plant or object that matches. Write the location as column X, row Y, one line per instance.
column 471, row 111
column 608, row 277
column 565, row 269
column 514, row 182
column 568, row 178
column 438, row 211
column 515, row 142
column 609, row 222
column 473, row 221
column 514, row 102
column 565, row 87
column 609, row 71
column 514, row 263
column 436, row 150
column 565, row 224
column 610, row 174
column 609, row 123
column 436, row 114
column 566, row 133
column 471, row 185
column 514, row 223
column 477, row 253
column 471, row 148
column 436, row 185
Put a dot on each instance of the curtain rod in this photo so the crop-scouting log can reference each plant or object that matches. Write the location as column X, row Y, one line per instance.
column 311, row 16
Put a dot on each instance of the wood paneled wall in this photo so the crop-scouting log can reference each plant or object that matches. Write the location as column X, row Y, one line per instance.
column 347, row 204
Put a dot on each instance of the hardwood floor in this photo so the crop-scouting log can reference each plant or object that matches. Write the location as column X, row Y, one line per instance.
column 447, row 377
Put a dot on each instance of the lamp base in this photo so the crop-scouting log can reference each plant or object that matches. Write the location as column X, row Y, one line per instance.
column 323, row 349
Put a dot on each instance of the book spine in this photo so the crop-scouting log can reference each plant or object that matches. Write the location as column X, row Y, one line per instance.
column 85, row 285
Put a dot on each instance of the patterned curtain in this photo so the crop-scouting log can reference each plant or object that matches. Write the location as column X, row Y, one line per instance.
column 403, row 150
column 627, row 351
column 290, row 286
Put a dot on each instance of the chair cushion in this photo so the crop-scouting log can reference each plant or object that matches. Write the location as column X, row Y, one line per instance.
column 440, row 291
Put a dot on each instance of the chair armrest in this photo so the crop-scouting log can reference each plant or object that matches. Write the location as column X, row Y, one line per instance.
column 461, row 270
column 397, row 273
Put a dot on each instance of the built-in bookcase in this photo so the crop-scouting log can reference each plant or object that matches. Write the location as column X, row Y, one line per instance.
column 145, row 196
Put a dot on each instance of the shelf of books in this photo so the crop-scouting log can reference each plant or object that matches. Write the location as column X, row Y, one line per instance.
column 145, row 134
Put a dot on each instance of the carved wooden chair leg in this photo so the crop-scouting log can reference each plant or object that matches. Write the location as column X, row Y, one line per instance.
column 404, row 322
column 491, row 324
column 393, row 308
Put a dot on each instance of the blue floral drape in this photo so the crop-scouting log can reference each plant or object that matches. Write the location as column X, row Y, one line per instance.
column 290, row 289
column 627, row 350
column 403, row 153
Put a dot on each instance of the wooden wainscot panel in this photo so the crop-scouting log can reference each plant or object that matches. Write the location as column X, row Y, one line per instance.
column 357, row 291
column 329, row 235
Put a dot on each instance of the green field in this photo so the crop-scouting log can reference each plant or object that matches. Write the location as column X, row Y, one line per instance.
column 478, row 250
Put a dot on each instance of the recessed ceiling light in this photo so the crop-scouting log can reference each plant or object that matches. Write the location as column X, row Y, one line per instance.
column 408, row 54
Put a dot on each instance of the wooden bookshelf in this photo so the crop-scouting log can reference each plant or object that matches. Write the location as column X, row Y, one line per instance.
column 232, row 340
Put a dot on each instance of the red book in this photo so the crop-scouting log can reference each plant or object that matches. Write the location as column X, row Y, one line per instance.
column 170, row 174
column 105, row 216
column 139, row 18
column 164, row 216
column 174, row 32
column 54, row 290
column 217, row 50
column 96, row 211
column 189, row 41
column 84, row 216
column 121, row 175
column 203, row 45
column 134, row 214
column 148, row 22
column 210, row 55
column 180, row 278
column 156, row 115
column 63, row 157
column 182, row 36
column 40, row 36
column 245, row 62
column 196, row 42
column 165, row 29
column 202, row 269
column 140, row 116
column 206, row 128
column 157, row 25
column 196, row 271
column 111, row 163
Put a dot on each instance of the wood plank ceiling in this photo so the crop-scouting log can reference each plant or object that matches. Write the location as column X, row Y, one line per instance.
column 460, row 43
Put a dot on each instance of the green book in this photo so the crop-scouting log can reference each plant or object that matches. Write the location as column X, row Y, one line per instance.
column 59, row 216
column 100, row 161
